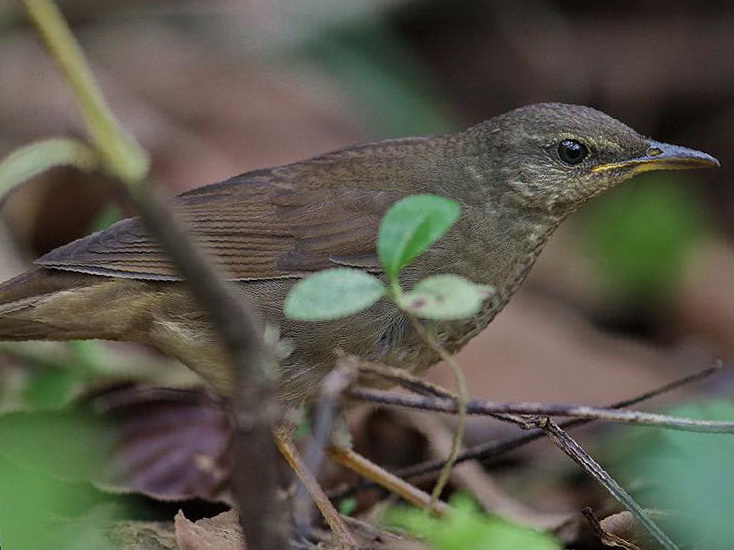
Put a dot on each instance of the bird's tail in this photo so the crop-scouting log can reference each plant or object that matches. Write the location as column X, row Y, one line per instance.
column 21, row 297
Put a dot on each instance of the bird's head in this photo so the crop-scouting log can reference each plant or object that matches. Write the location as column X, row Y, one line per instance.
column 556, row 156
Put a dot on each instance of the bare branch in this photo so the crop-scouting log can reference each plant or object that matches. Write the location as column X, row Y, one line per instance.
column 568, row 445
column 489, row 408
column 325, row 415
column 256, row 410
column 499, row 447
column 492, row 449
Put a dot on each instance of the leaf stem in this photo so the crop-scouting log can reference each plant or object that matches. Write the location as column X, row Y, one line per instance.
column 122, row 156
column 462, row 396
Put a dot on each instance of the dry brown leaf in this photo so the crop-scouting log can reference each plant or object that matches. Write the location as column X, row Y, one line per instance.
column 221, row 532
column 142, row 535
column 623, row 528
column 169, row 445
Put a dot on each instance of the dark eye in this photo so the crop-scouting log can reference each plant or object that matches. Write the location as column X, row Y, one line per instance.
column 572, row 152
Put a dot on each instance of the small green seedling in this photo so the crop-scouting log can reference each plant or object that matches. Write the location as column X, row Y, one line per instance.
column 467, row 528
column 409, row 227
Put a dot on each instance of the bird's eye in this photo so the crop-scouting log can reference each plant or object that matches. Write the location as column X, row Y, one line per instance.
column 572, row 152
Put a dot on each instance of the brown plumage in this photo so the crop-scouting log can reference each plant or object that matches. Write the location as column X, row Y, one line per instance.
column 516, row 176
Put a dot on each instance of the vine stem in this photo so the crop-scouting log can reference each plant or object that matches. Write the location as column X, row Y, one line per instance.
column 462, row 397
column 122, row 156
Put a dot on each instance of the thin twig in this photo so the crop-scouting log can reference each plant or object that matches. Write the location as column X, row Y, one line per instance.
column 486, row 408
column 569, row 446
column 400, row 377
column 252, row 360
column 325, row 414
column 492, row 449
column 421, row 386
column 256, row 410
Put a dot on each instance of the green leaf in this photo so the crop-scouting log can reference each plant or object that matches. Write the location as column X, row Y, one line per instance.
column 410, row 226
column 106, row 218
column 690, row 475
column 35, row 158
column 46, row 462
column 332, row 294
column 51, row 389
column 402, row 98
column 347, row 506
column 467, row 528
column 445, row 297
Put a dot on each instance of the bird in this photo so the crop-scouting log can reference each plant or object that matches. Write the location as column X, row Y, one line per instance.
column 516, row 177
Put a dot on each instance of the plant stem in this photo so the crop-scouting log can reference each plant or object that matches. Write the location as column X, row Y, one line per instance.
column 462, row 397
column 462, row 394
column 121, row 155
column 255, row 408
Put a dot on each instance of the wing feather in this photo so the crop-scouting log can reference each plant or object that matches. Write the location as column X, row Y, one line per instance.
column 253, row 226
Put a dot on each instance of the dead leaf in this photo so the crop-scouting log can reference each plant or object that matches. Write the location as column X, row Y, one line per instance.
column 169, row 444
column 221, row 532
column 142, row 535
column 623, row 526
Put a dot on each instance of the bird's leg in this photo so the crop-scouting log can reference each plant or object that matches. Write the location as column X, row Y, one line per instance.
column 286, row 447
column 366, row 468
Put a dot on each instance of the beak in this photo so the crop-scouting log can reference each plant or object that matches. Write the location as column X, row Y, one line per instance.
column 663, row 156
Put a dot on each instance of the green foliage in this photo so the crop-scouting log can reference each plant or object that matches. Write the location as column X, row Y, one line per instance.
column 331, row 294
column 33, row 159
column 61, row 373
column 347, row 506
column 402, row 97
column 44, row 461
column 691, row 475
column 641, row 235
column 51, row 388
column 410, row 226
column 106, row 218
column 445, row 297
column 302, row 418
column 467, row 528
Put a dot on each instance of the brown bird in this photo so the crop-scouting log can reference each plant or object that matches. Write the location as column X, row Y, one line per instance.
column 516, row 176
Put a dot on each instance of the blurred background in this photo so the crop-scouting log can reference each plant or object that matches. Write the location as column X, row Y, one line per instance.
column 633, row 291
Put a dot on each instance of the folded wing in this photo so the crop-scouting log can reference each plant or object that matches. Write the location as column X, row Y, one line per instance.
column 253, row 226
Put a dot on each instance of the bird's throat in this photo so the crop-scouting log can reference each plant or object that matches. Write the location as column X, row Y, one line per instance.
column 510, row 245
